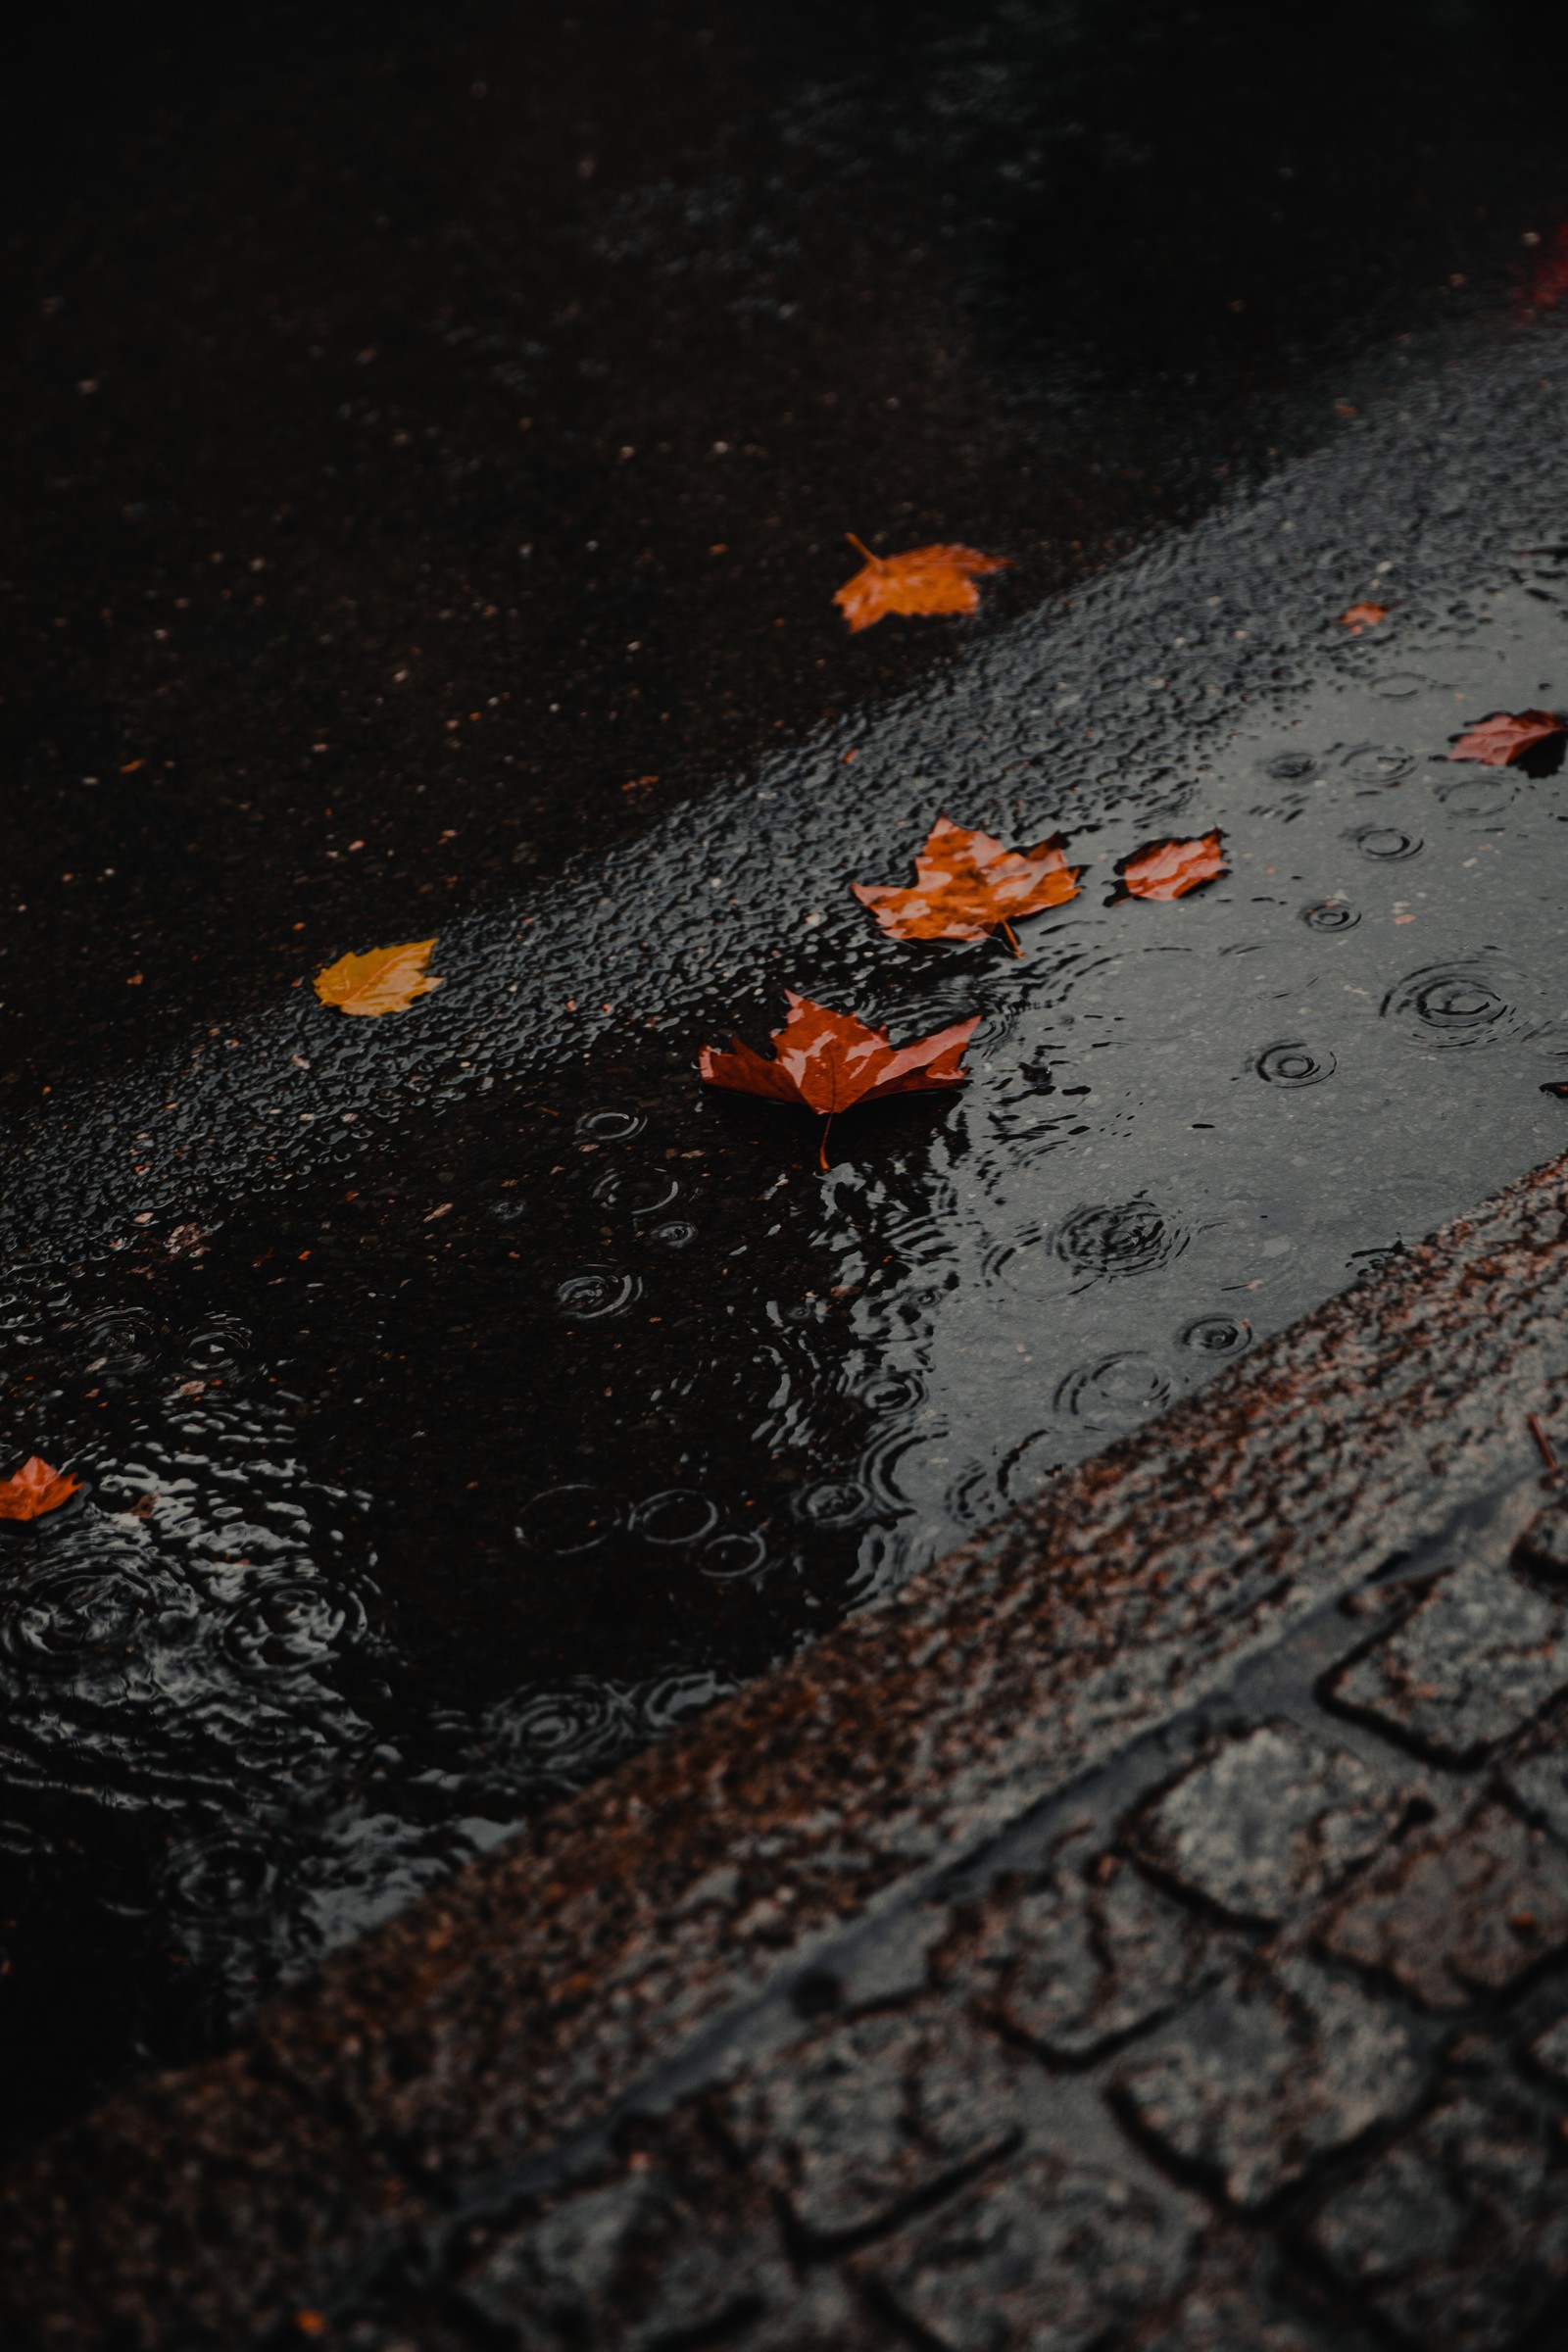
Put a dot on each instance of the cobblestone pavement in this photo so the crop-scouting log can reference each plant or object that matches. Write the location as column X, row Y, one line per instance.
column 1019, row 1971
column 1255, row 2043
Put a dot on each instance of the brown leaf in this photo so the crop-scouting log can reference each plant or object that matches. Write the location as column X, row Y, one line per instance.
column 1357, row 617
column 1169, row 870
column 927, row 579
column 967, row 884
column 36, row 1489
column 828, row 1061
column 384, row 980
column 1504, row 737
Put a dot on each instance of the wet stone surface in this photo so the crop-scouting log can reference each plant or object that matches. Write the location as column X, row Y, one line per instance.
column 1462, row 1915
column 851, row 2128
column 1080, row 1962
column 1265, row 2076
column 1458, row 2234
column 1475, row 1658
column 1055, row 2256
column 629, row 2264
column 1269, row 1821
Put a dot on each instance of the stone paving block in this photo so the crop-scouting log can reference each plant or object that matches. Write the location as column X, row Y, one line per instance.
column 1458, row 2233
column 1266, row 2074
column 1080, row 1962
column 1477, row 1657
column 823, row 2313
column 629, row 2262
column 1270, row 1821
column 1543, row 1544
column 1224, row 2317
column 1045, row 2257
column 1464, row 1914
column 1549, row 2052
column 856, row 2121
column 1538, row 1779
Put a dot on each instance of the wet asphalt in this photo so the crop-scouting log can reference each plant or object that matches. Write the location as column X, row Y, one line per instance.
column 430, row 440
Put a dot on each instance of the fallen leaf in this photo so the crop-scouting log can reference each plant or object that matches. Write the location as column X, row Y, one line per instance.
column 1357, row 617
column 385, row 980
column 1169, row 870
column 1549, row 281
column 36, row 1489
column 832, row 1060
column 1504, row 737
column 967, row 884
column 926, row 579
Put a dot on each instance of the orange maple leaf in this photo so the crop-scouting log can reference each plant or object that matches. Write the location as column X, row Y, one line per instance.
column 927, row 579
column 1357, row 617
column 384, row 980
column 36, row 1489
column 832, row 1060
column 969, row 884
column 1169, row 870
column 1504, row 737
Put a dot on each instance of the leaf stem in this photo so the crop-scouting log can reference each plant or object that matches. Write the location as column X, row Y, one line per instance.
column 863, row 548
column 1013, row 936
column 821, row 1157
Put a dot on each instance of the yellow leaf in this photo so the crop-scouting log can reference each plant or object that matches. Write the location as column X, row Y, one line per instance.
column 386, row 980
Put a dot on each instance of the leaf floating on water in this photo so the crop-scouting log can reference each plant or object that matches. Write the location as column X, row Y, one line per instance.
column 36, row 1489
column 1357, row 617
column 828, row 1061
column 969, row 884
column 1169, row 870
column 385, row 980
column 1504, row 737
column 925, row 579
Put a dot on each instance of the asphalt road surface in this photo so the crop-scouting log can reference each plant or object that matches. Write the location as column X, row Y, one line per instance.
column 430, row 441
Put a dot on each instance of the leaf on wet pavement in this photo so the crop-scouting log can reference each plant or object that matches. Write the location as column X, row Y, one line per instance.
column 384, row 980
column 1169, row 870
column 1504, row 737
column 969, row 884
column 1357, row 617
column 36, row 1489
column 1549, row 281
column 828, row 1061
column 925, row 579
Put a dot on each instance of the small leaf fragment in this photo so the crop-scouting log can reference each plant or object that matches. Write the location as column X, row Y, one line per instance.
column 1506, row 736
column 1357, row 617
column 383, row 980
column 967, row 885
column 924, row 579
column 1169, row 870
column 36, row 1489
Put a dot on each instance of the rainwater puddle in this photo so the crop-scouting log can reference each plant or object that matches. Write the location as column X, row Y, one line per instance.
column 423, row 1492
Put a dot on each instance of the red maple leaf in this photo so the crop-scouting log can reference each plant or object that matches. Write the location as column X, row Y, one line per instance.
column 1504, row 737
column 1357, row 617
column 1169, row 870
column 969, row 884
column 925, row 579
column 1549, row 281
column 36, row 1489
column 832, row 1060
